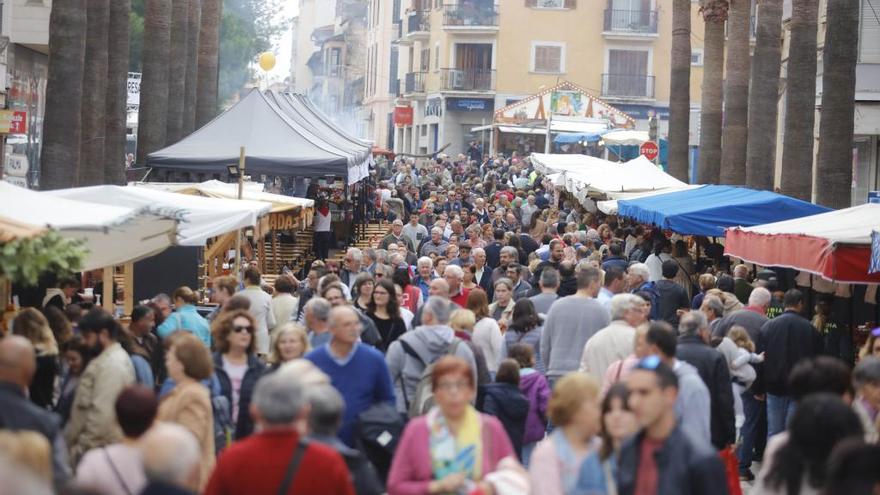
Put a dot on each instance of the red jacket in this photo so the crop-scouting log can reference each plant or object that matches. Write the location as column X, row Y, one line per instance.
column 257, row 464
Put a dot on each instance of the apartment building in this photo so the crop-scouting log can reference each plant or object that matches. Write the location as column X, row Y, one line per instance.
column 458, row 63
column 381, row 84
column 866, row 140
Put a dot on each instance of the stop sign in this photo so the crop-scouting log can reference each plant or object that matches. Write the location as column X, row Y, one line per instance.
column 649, row 150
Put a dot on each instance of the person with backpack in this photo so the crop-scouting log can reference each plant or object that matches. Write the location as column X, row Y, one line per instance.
column 504, row 400
column 453, row 448
column 411, row 357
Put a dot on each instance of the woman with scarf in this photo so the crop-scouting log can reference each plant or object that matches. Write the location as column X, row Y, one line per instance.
column 453, row 448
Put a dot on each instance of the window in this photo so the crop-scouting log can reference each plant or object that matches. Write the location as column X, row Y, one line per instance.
column 627, row 74
column 425, row 62
column 551, row 4
column 437, row 56
column 548, row 57
column 869, row 35
column 697, row 57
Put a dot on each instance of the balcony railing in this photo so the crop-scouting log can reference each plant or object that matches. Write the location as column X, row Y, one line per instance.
column 418, row 22
column 414, row 83
column 467, row 79
column 631, row 21
column 627, row 86
column 470, row 15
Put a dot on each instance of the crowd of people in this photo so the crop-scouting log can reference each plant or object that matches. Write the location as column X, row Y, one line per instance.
column 499, row 339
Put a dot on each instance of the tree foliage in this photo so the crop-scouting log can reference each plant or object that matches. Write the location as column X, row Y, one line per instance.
column 22, row 261
column 248, row 28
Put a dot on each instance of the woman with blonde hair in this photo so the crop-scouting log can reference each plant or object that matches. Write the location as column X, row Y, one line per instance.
column 32, row 325
column 487, row 334
column 289, row 342
column 462, row 322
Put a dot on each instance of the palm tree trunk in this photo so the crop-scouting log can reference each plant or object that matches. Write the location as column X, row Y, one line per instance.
column 736, row 95
column 800, row 118
column 117, row 93
column 177, row 69
column 62, row 127
column 764, row 95
column 91, row 170
column 834, row 165
column 680, row 98
column 154, row 81
column 709, row 167
column 209, row 58
column 192, row 66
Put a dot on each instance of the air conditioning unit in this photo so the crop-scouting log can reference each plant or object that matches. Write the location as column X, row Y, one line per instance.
column 458, row 79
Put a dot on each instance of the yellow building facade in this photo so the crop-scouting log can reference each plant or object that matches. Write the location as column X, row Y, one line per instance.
column 458, row 63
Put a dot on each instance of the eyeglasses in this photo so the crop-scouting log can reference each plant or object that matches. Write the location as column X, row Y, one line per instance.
column 449, row 386
column 242, row 328
column 649, row 363
column 380, row 293
column 380, row 275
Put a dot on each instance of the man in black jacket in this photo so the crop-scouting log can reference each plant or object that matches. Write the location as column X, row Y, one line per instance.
column 785, row 340
column 693, row 348
column 662, row 458
column 493, row 250
column 671, row 297
column 17, row 367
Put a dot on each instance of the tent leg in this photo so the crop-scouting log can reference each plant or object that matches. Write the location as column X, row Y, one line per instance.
column 129, row 288
column 261, row 250
column 109, row 302
column 238, row 255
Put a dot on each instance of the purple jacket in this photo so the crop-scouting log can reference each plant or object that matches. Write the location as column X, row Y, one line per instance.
column 536, row 389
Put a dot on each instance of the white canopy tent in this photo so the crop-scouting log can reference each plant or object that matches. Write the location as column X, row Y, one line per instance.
column 113, row 233
column 625, row 138
column 200, row 218
column 252, row 191
column 609, row 207
column 585, row 176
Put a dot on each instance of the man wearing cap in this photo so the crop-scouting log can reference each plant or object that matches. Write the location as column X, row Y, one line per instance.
column 464, row 255
column 396, row 236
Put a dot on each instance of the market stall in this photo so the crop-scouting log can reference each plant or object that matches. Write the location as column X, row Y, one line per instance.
column 709, row 210
column 586, row 176
column 835, row 245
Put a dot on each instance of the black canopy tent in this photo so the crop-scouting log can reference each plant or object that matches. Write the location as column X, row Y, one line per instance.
column 274, row 144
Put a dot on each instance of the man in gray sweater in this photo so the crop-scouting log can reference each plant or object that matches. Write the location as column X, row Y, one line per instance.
column 571, row 322
column 430, row 342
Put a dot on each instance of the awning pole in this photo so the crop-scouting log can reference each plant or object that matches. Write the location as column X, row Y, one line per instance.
column 240, row 193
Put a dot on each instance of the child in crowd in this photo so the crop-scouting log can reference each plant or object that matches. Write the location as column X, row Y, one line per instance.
column 739, row 351
column 536, row 389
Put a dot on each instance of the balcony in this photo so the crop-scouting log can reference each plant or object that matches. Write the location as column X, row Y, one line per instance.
column 414, row 83
column 417, row 26
column 467, row 79
column 630, row 23
column 627, row 86
column 470, row 18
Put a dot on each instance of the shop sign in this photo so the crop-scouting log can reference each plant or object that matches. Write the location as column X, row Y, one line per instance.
column 283, row 221
column 468, row 104
column 16, row 165
column 433, row 108
column 13, row 122
column 403, row 115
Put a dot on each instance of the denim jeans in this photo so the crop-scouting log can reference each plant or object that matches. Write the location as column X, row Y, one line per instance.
column 779, row 411
column 527, row 450
column 755, row 412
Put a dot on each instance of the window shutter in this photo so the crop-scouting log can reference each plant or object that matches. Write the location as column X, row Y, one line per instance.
column 571, row 4
column 869, row 39
column 531, row 3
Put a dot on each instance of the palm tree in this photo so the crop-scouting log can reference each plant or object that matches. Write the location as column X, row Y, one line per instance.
column 62, row 125
column 117, row 93
column 800, row 119
column 154, row 81
column 192, row 66
column 91, row 169
column 764, row 96
column 177, row 69
column 834, row 163
column 714, row 15
column 209, row 58
column 736, row 95
column 680, row 95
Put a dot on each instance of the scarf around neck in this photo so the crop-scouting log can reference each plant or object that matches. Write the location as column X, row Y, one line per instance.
column 454, row 453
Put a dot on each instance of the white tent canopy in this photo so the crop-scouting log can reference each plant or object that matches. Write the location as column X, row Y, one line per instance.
column 252, row 191
column 625, row 138
column 113, row 234
column 200, row 218
column 584, row 175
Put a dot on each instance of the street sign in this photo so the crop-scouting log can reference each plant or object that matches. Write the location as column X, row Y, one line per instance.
column 649, row 150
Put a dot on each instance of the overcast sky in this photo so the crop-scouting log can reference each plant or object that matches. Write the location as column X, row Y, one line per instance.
column 283, row 49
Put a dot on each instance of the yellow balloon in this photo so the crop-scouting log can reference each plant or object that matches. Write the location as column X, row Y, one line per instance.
column 267, row 61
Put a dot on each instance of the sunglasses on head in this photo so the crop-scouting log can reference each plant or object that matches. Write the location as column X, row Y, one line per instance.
column 242, row 328
column 649, row 363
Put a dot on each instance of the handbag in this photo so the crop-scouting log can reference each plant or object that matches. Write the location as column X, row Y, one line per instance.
column 731, row 467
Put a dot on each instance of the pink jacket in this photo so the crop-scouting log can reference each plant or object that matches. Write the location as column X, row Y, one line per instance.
column 411, row 471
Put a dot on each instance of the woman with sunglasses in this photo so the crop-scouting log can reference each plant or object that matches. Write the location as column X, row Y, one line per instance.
column 237, row 366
